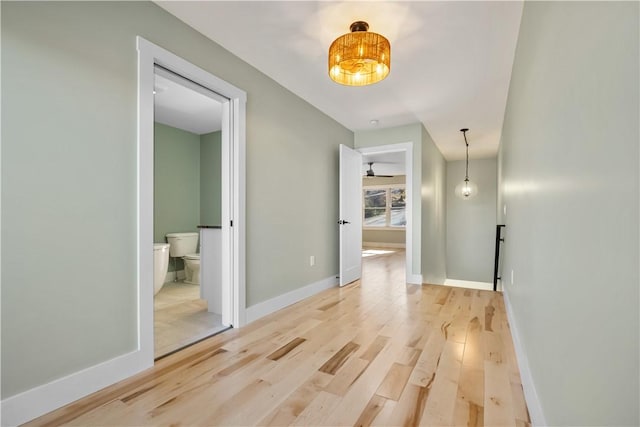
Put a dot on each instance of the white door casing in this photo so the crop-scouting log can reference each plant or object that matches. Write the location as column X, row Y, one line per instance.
column 350, row 221
column 233, row 186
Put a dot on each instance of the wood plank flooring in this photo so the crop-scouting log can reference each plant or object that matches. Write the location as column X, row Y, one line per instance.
column 375, row 353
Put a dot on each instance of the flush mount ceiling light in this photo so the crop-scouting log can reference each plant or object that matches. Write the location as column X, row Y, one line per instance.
column 466, row 189
column 359, row 58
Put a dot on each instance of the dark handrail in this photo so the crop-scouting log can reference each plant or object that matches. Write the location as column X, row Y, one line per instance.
column 496, row 264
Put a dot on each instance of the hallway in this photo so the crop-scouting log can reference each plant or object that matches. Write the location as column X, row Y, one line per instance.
column 377, row 352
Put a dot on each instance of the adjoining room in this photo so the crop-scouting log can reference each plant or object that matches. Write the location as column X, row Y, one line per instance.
column 187, row 210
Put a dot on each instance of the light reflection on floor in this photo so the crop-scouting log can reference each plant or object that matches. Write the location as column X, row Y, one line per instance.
column 373, row 252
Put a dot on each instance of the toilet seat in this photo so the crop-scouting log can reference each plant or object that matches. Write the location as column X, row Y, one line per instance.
column 192, row 256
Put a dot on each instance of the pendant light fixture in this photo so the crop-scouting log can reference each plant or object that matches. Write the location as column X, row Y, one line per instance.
column 359, row 58
column 466, row 189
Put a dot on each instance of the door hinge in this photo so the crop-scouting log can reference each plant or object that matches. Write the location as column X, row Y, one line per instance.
column 231, row 223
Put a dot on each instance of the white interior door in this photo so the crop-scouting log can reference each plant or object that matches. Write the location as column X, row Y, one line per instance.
column 350, row 221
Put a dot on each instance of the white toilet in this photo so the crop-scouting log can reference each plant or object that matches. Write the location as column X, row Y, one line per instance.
column 185, row 245
column 160, row 264
column 192, row 269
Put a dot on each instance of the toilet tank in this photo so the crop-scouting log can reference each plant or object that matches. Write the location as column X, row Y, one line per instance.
column 182, row 244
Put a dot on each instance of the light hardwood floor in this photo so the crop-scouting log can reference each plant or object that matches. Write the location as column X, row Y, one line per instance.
column 377, row 352
column 181, row 317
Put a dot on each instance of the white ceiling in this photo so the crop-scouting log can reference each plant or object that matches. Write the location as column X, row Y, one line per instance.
column 385, row 163
column 450, row 61
column 183, row 108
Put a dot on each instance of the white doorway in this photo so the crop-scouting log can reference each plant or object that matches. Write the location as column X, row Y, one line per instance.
column 394, row 160
column 187, row 213
column 233, row 102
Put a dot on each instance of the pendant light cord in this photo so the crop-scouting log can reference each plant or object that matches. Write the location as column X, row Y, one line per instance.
column 466, row 171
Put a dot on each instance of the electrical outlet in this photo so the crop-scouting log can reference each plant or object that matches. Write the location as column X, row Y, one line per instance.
column 512, row 277
column 312, row 260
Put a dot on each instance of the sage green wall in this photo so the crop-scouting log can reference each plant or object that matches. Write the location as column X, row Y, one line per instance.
column 434, row 218
column 69, row 166
column 176, row 181
column 471, row 224
column 68, row 192
column 210, row 178
column 570, row 173
column 176, row 192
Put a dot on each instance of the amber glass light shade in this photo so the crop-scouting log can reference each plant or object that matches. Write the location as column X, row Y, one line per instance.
column 359, row 58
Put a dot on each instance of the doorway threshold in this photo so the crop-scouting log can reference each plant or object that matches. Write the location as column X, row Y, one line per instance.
column 224, row 329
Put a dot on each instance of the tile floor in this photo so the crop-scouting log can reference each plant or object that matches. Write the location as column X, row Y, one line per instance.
column 181, row 317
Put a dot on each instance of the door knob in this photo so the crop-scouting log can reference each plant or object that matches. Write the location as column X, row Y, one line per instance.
column 342, row 222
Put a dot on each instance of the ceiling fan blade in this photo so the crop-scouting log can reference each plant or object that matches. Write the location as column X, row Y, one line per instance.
column 381, row 163
column 371, row 174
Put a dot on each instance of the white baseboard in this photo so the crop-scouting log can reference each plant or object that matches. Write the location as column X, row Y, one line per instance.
column 383, row 245
column 415, row 279
column 272, row 305
column 171, row 276
column 40, row 400
column 483, row 286
column 530, row 394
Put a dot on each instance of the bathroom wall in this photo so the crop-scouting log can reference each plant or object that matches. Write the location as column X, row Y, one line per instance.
column 471, row 224
column 176, row 193
column 395, row 237
column 176, row 181
column 210, row 184
column 69, row 165
column 187, row 182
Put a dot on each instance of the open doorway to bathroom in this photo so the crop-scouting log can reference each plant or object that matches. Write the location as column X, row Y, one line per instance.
column 232, row 272
column 186, row 212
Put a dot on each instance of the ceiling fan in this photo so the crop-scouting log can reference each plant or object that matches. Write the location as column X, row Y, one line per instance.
column 371, row 174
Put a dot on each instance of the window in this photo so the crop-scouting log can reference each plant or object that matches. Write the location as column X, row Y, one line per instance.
column 384, row 207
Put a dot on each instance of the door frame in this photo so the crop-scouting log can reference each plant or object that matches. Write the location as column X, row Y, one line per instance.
column 233, row 186
column 407, row 148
